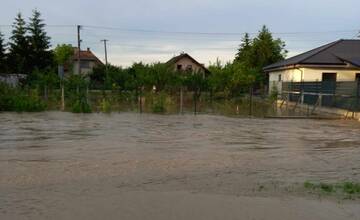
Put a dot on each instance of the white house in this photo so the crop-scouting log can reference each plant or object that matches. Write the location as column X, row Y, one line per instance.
column 338, row 61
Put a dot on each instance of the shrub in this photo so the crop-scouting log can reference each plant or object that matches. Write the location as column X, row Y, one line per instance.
column 81, row 106
column 158, row 105
column 105, row 106
column 14, row 99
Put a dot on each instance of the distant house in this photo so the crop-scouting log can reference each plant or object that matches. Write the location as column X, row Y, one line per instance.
column 88, row 61
column 184, row 62
column 330, row 64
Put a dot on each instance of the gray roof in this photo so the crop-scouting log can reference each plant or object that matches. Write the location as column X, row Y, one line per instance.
column 336, row 53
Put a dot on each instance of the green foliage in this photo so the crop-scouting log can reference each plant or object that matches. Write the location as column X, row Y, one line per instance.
column 19, row 47
column 347, row 188
column 255, row 54
column 3, row 63
column 76, row 87
column 81, row 106
column 274, row 93
column 159, row 103
column 105, row 106
column 14, row 99
column 245, row 49
column 351, row 188
column 40, row 56
column 63, row 53
column 139, row 77
column 44, row 80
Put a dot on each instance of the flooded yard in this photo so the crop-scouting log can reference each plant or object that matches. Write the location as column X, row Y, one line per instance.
column 57, row 165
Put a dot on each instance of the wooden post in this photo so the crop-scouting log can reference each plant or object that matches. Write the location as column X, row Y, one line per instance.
column 62, row 97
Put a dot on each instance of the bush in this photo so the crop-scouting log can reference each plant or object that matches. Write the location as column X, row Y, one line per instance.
column 81, row 106
column 14, row 99
column 105, row 106
column 159, row 104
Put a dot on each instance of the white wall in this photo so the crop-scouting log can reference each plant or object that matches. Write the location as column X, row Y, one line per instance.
column 315, row 74
column 308, row 75
column 288, row 75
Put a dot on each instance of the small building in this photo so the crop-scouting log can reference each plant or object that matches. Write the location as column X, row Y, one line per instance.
column 184, row 62
column 88, row 61
column 338, row 61
column 325, row 76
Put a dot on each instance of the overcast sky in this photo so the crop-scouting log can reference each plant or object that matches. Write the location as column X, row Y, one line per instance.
column 152, row 30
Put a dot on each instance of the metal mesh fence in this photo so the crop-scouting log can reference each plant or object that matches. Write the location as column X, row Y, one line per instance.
column 343, row 95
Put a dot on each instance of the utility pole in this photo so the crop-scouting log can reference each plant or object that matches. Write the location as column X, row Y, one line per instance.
column 79, row 48
column 105, row 47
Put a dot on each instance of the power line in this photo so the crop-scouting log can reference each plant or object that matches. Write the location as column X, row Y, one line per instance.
column 211, row 33
column 189, row 32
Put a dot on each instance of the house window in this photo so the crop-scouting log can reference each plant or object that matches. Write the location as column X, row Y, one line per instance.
column 279, row 78
column 179, row 67
column 189, row 68
column 329, row 77
column 84, row 64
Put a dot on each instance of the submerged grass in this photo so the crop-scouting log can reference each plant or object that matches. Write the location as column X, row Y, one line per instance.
column 349, row 189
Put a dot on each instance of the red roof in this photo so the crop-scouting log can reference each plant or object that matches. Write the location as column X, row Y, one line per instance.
column 86, row 55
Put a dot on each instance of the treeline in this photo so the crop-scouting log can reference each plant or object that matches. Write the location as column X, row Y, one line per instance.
column 29, row 52
column 230, row 79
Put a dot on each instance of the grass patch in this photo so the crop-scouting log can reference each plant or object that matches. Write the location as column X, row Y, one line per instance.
column 349, row 189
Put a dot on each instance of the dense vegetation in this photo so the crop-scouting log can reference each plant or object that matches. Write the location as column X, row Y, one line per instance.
column 28, row 52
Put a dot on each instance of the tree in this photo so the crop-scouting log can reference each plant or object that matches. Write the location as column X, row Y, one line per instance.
column 259, row 52
column 40, row 56
column 266, row 49
column 244, row 50
column 19, row 47
column 63, row 53
column 3, row 65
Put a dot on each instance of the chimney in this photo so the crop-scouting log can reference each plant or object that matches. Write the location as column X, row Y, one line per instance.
column 88, row 49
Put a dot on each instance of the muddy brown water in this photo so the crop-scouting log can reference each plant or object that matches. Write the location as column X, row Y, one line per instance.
column 49, row 159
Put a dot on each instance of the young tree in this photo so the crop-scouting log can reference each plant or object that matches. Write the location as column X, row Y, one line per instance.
column 19, row 47
column 3, row 65
column 40, row 56
column 63, row 53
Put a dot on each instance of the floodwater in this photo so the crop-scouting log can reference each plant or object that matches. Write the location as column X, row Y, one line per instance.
column 56, row 165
